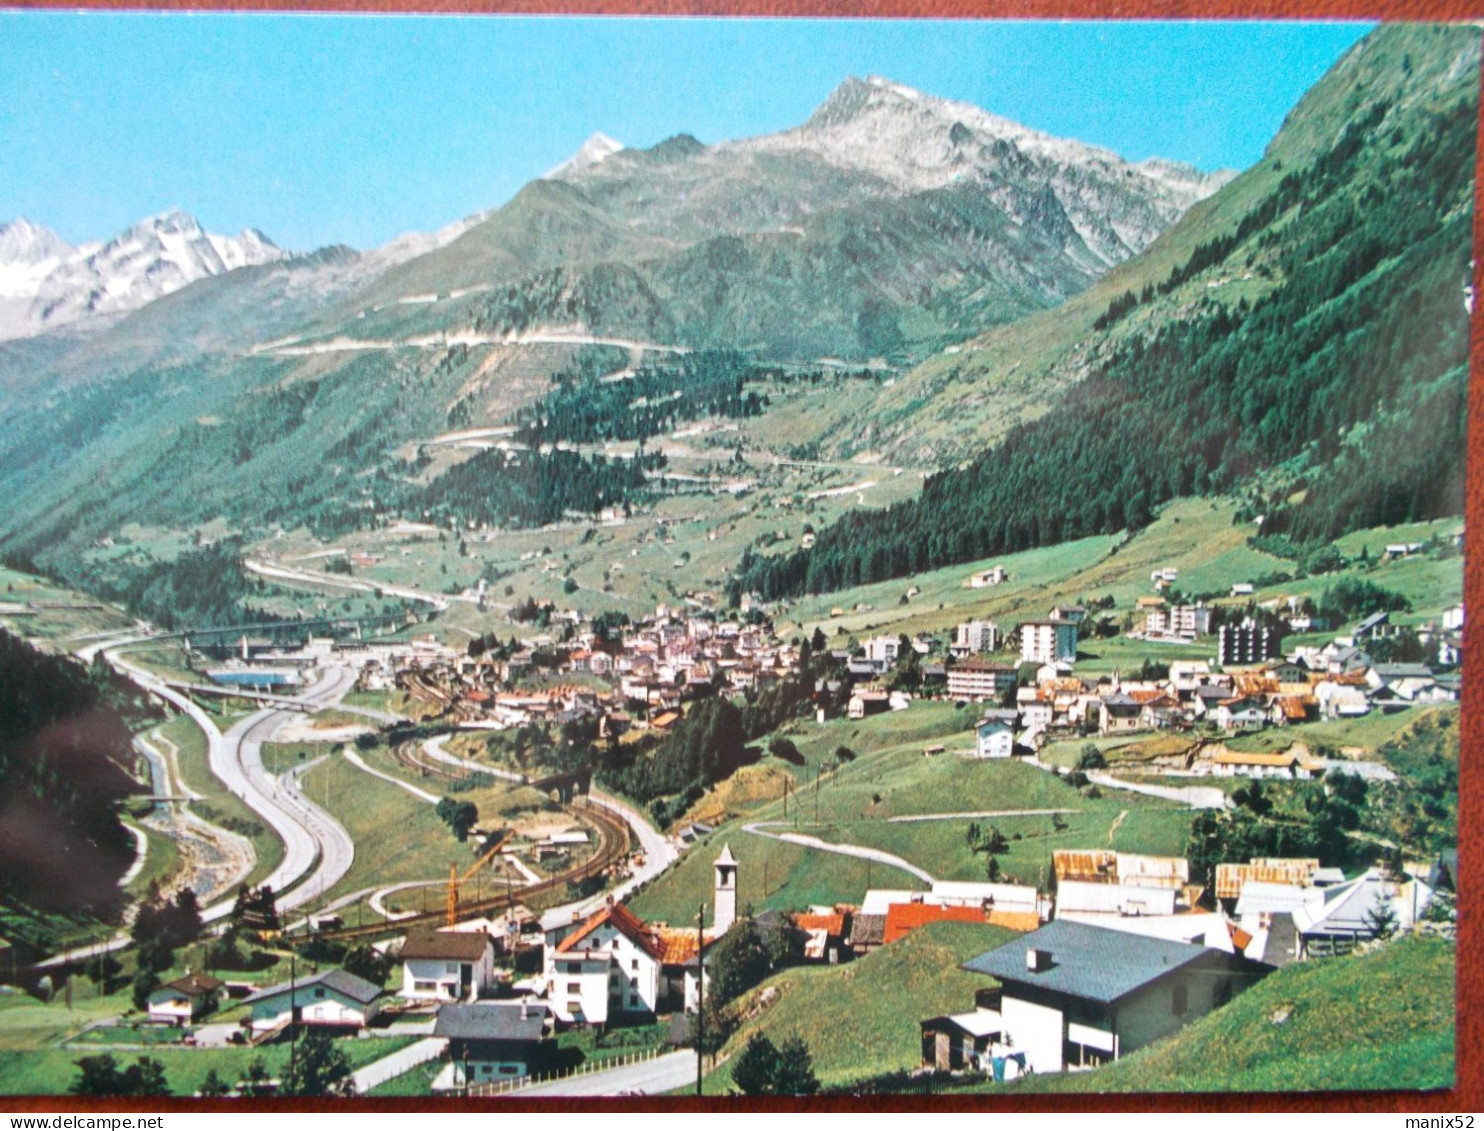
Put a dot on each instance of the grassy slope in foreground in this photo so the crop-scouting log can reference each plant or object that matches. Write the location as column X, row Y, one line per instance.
column 1380, row 1020
column 861, row 1019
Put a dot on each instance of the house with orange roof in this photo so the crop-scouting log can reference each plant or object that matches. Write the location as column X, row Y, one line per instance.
column 824, row 934
column 609, row 966
column 904, row 918
column 613, row 964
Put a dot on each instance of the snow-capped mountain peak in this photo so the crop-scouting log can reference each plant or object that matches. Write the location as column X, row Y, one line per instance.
column 596, row 149
column 48, row 283
column 28, row 253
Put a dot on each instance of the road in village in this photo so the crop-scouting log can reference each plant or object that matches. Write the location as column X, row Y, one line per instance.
column 644, row 1078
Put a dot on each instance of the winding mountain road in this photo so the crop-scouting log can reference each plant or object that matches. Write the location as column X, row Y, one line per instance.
column 758, row 828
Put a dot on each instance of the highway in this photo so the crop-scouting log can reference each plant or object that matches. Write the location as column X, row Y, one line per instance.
column 318, row 852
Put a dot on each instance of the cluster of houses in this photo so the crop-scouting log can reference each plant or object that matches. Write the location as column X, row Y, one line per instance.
column 1129, row 955
column 1249, row 686
column 653, row 667
column 1121, row 952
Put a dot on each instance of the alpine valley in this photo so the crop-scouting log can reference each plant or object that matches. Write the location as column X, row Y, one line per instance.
column 720, row 481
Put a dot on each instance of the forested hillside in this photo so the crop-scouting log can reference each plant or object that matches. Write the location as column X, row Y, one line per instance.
column 64, row 749
column 1348, row 366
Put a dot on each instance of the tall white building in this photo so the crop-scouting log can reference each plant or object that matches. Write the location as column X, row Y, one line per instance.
column 975, row 636
column 1048, row 642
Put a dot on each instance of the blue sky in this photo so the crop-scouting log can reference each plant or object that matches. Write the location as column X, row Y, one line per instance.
column 321, row 129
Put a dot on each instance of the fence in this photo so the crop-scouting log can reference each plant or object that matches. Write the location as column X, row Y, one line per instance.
column 586, row 1068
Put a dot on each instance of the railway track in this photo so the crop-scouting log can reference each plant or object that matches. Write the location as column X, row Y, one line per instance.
column 613, row 847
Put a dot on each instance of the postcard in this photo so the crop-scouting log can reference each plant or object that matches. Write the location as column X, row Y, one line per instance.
column 552, row 556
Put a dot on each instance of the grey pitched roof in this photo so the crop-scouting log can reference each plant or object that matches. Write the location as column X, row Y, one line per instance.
column 346, row 984
column 1094, row 963
column 489, row 1022
column 868, row 930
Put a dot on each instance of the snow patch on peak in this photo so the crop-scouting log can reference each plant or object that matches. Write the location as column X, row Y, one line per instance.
column 594, row 151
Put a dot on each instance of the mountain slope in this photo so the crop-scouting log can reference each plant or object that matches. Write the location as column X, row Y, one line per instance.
column 297, row 390
column 1312, row 316
column 895, row 220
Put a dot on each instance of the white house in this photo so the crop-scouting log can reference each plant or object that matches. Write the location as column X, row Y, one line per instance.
column 331, row 999
column 447, row 966
column 994, row 738
column 614, row 964
column 882, row 650
column 184, row 1000
column 1350, row 912
column 995, row 575
column 490, row 1041
column 1074, row 995
column 1048, row 642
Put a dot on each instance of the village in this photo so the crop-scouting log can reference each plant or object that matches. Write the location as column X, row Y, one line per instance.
column 1109, row 952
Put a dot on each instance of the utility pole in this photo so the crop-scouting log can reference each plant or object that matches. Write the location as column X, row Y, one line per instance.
column 700, row 991
column 293, row 1015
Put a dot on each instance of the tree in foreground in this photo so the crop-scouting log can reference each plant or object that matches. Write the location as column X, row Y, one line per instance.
column 763, row 1069
column 101, row 1076
column 319, row 1069
column 756, row 1067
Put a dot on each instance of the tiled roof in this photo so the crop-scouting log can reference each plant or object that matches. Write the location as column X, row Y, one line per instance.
column 1093, row 963
column 459, row 946
column 343, row 983
column 194, row 985
column 625, row 922
column 833, row 923
column 904, row 918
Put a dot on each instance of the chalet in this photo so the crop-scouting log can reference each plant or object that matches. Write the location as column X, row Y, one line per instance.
column 447, row 966
column 186, row 999
column 1163, row 712
column 869, row 701
column 490, row 1041
column 1118, row 713
column 331, row 999
column 1234, row 763
column 1350, row 912
column 1074, row 995
column 1372, row 626
column 995, row 575
column 825, row 932
column 1340, row 700
column 1075, row 614
column 1288, row 710
column 1241, row 713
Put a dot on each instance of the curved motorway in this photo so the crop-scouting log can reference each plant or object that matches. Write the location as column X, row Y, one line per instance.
column 318, row 852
